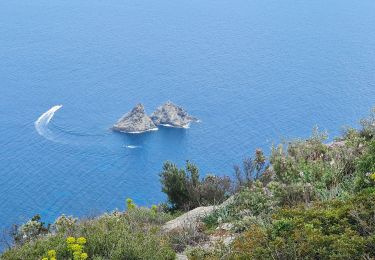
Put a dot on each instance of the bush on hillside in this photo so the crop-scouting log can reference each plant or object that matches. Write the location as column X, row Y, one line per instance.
column 185, row 189
column 252, row 170
column 31, row 230
column 251, row 204
column 366, row 167
column 368, row 126
column 308, row 170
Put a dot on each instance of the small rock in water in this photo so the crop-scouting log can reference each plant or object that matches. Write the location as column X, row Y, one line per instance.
column 136, row 121
column 172, row 115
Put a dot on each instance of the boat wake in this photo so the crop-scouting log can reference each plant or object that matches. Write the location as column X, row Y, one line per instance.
column 132, row 146
column 41, row 124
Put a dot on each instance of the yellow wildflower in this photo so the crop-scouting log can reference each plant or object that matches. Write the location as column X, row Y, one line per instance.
column 51, row 253
column 76, row 248
column 81, row 240
column 70, row 240
column 84, row 256
column 44, row 258
column 77, row 255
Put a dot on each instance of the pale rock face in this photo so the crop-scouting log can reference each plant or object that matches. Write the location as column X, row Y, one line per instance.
column 170, row 114
column 135, row 121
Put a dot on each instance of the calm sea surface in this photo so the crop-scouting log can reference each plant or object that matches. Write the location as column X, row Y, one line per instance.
column 253, row 71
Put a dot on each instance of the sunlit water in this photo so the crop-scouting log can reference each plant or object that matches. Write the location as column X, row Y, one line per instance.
column 253, row 71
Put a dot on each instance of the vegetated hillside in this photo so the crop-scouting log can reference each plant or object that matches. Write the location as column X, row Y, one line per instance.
column 308, row 200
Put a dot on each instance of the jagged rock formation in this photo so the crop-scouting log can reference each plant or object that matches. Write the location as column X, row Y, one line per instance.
column 170, row 114
column 136, row 121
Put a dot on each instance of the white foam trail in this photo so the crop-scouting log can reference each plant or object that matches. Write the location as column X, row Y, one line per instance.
column 132, row 146
column 41, row 125
column 167, row 125
column 140, row 132
column 172, row 126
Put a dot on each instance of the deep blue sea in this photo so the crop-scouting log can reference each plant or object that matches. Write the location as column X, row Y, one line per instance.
column 253, row 71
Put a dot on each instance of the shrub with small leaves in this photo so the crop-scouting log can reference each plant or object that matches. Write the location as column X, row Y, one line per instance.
column 154, row 209
column 130, row 204
column 65, row 223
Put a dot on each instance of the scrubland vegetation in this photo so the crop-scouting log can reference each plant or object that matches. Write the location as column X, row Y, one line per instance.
column 307, row 200
column 117, row 235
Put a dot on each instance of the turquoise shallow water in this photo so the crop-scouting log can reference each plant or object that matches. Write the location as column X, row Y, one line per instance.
column 253, row 71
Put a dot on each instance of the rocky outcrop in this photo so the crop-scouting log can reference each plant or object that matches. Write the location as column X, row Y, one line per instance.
column 136, row 121
column 192, row 218
column 170, row 114
column 192, row 222
column 188, row 220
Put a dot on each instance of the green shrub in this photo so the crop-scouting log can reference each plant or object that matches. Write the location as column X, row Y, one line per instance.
column 366, row 167
column 254, row 201
column 182, row 238
column 32, row 229
column 252, row 170
column 185, row 190
column 368, row 126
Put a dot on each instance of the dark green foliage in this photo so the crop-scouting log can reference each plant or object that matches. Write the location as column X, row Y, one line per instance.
column 185, row 190
column 178, row 183
column 32, row 229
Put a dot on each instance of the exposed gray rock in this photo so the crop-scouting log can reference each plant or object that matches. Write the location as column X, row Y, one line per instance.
column 181, row 257
column 192, row 218
column 170, row 114
column 135, row 121
column 189, row 219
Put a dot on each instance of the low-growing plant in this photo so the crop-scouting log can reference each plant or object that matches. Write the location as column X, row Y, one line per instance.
column 185, row 237
column 65, row 224
column 254, row 201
